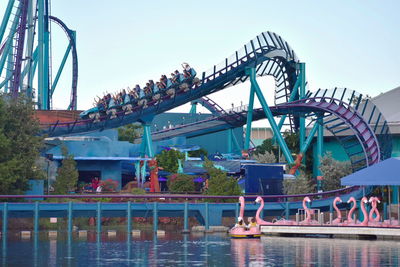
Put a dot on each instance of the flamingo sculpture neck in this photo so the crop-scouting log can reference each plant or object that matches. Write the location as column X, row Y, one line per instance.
column 364, row 200
column 258, row 219
column 350, row 215
column 374, row 202
column 339, row 214
column 307, row 210
column 241, row 201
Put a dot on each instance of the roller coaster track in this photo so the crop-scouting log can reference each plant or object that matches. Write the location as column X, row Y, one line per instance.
column 268, row 53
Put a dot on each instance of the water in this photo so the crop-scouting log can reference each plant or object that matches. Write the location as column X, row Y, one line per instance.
column 196, row 250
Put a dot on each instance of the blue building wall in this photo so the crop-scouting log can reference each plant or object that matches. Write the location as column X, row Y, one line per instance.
column 105, row 144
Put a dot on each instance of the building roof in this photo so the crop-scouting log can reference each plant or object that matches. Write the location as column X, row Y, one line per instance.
column 387, row 104
column 383, row 173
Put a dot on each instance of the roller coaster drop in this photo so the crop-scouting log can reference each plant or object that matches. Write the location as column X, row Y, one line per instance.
column 353, row 120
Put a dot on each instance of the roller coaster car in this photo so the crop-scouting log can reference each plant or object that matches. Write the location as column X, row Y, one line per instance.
column 183, row 85
column 86, row 114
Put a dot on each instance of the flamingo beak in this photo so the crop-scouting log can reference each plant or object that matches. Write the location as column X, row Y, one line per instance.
column 348, row 201
column 365, row 201
column 378, row 200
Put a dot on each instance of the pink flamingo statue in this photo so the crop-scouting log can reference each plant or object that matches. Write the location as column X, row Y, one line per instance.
column 258, row 219
column 376, row 221
column 364, row 201
column 241, row 232
column 350, row 220
column 308, row 220
column 338, row 220
column 374, row 210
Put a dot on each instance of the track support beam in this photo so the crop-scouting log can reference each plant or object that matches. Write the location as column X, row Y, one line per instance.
column 252, row 74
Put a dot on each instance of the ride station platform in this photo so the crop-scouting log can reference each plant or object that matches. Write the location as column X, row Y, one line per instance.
column 356, row 232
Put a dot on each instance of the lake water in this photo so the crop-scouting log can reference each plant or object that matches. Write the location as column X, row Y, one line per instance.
column 175, row 249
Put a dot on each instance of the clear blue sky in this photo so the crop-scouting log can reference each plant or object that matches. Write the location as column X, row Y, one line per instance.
column 352, row 44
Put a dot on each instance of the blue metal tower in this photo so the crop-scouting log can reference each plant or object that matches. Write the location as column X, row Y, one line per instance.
column 25, row 52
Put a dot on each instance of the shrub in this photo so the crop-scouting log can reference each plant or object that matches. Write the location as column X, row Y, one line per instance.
column 332, row 170
column 181, row 183
column 108, row 185
column 300, row 185
column 219, row 183
column 266, row 157
column 67, row 174
column 168, row 160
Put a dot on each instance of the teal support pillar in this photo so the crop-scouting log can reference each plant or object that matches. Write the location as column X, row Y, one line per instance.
column 5, row 220
column 36, row 218
column 98, row 219
column 60, row 69
column 146, row 140
column 193, row 108
column 230, row 150
column 129, row 217
column 10, row 70
column 302, row 93
column 5, row 19
column 395, row 194
column 287, row 211
column 309, row 139
column 9, row 42
column 385, row 211
column 137, row 172
column 249, row 119
column 206, row 219
column 186, row 217
column 252, row 74
column 155, row 217
column 237, row 208
column 320, row 145
column 70, row 218
column 180, row 168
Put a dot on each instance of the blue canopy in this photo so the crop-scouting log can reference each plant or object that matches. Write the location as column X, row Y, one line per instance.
column 386, row 172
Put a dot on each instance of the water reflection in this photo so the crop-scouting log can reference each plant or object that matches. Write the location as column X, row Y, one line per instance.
column 195, row 250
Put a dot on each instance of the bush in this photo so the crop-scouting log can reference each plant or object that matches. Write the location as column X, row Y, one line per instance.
column 180, row 183
column 67, row 174
column 332, row 170
column 300, row 185
column 220, row 184
column 266, row 157
column 108, row 185
column 168, row 160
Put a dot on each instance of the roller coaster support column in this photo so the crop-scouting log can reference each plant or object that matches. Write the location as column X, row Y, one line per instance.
column 9, row 43
column 43, row 46
column 252, row 74
column 6, row 18
column 193, row 109
column 320, row 148
column 249, row 119
column 232, row 142
column 146, row 147
column 302, row 93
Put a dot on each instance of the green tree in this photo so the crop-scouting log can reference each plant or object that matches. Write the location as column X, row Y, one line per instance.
column 20, row 144
column 266, row 146
column 168, row 160
column 67, row 174
column 266, row 157
column 130, row 132
column 181, row 183
column 219, row 183
column 302, row 184
column 332, row 170
column 198, row 153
